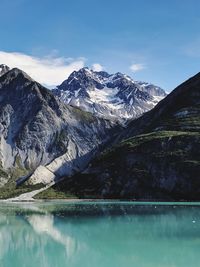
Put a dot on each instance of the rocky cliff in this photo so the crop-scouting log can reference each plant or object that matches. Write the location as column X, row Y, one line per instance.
column 42, row 137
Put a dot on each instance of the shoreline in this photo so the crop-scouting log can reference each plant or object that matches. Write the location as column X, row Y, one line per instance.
column 102, row 201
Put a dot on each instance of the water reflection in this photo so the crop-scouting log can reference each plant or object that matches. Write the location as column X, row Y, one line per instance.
column 59, row 235
column 44, row 224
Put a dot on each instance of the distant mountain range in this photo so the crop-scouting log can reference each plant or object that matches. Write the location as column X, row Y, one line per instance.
column 112, row 96
column 75, row 136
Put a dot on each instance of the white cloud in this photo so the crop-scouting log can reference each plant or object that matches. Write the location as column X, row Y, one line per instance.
column 48, row 70
column 137, row 67
column 97, row 67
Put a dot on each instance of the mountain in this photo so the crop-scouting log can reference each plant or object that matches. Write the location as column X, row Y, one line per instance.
column 158, row 157
column 3, row 69
column 40, row 136
column 179, row 111
column 111, row 96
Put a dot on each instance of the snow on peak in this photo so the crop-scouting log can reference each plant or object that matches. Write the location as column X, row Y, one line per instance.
column 115, row 96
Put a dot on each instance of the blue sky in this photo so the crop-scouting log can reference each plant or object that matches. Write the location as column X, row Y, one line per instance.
column 150, row 40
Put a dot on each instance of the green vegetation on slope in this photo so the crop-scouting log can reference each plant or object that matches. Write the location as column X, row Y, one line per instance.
column 139, row 140
column 10, row 190
column 53, row 193
column 83, row 115
column 133, row 170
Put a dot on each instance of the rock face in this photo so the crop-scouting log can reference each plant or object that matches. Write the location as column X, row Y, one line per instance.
column 3, row 69
column 42, row 136
column 112, row 96
column 157, row 158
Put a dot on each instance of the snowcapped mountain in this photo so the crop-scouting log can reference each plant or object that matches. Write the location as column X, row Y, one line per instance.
column 3, row 69
column 113, row 96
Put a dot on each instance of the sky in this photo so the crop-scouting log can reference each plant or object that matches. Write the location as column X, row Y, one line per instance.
column 157, row 41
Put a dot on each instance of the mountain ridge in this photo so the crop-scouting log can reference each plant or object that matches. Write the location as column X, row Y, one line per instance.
column 113, row 96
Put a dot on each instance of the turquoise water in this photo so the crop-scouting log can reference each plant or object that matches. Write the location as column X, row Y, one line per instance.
column 99, row 235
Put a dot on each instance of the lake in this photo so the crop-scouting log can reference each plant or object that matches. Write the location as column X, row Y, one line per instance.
column 99, row 234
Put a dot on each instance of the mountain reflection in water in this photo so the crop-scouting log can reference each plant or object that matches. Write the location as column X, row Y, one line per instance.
column 99, row 234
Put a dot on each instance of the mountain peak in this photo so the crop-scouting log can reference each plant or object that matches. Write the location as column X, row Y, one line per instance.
column 3, row 69
column 15, row 72
column 4, row 66
column 84, row 70
column 114, row 96
column 17, row 80
column 104, row 74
